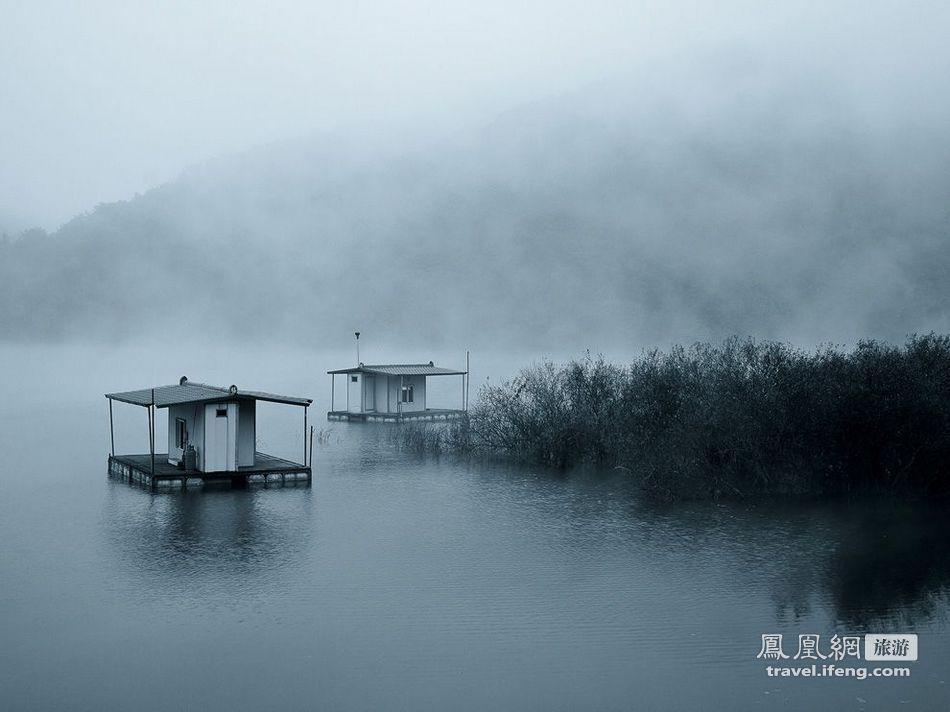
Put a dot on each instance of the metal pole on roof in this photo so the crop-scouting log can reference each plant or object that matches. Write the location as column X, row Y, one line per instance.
column 111, row 429
column 357, row 347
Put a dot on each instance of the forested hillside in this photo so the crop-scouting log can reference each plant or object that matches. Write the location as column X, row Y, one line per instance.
column 622, row 214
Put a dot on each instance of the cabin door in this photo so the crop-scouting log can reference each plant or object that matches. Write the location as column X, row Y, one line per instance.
column 220, row 437
column 369, row 392
column 354, row 393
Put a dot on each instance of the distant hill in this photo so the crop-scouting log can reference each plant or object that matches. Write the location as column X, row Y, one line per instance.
column 625, row 214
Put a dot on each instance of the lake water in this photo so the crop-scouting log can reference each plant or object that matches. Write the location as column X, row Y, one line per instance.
column 400, row 582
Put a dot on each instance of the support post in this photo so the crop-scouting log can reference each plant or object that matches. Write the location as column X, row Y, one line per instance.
column 467, row 379
column 111, row 429
column 310, row 462
column 332, row 391
column 399, row 397
column 151, row 424
column 305, row 436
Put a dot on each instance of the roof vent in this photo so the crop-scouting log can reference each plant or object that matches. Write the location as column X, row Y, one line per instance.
column 431, row 364
column 233, row 390
column 183, row 380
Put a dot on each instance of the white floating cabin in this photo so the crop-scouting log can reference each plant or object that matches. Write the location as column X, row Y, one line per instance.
column 212, row 434
column 392, row 393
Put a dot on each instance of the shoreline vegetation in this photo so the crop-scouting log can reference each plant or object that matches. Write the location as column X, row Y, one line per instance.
column 739, row 419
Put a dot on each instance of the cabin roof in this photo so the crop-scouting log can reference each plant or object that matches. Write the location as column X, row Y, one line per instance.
column 401, row 369
column 190, row 392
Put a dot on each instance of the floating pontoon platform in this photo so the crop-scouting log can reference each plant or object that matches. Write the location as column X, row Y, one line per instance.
column 266, row 469
column 384, row 417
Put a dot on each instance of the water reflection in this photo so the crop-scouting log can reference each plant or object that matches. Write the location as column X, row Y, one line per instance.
column 215, row 538
column 868, row 564
column 862, row 565
column 892, row 566
column 873, row 564
column 545, row 584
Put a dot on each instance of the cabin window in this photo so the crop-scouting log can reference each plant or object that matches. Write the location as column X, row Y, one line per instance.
column 407, row 394
column 222, row 413
column 355, row 379
column 181, row 434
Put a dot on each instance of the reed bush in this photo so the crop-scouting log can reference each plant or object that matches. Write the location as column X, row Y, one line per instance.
column 735, row 419
column 434, row 438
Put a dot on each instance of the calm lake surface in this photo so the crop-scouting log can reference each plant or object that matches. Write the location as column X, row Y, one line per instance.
column 400, row 582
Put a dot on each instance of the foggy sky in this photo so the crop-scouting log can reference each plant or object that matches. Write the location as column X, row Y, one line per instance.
column 105, row 99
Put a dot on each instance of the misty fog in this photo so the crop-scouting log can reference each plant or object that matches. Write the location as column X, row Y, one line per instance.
column 772, row 175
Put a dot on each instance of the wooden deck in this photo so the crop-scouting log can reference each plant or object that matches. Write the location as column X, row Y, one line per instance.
column 379, row 417
column 266, row 469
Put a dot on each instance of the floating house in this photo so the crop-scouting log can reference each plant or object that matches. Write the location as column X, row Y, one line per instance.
column 392, row 392
column 212, row 435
